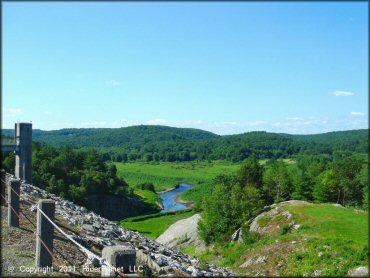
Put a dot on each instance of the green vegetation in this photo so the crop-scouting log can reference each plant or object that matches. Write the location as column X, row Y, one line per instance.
column 331, row 240
column 327, row 220
column 233, row 177
column 235, row 199
column 72, row 174
column 165, row 175
column 263, row 221
column 154, row 225
column 148, row 196
column 161, row 143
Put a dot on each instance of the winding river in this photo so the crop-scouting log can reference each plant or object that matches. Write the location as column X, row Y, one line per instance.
column 169, row 198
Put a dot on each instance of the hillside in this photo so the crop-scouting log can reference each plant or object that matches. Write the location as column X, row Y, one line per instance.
column 94, row 233
column 115, row 137
column 295, row 238
column 349, row 140
column 162, row 143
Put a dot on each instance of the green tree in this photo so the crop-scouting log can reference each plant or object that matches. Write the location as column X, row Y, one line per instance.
column 277, row 183
column 250, row 173
column 215, row 224
column 327, row 187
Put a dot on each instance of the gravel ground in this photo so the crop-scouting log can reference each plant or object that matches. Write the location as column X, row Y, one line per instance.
column 18, row 248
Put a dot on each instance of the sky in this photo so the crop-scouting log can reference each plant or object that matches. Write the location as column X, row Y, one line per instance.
column 292, row 67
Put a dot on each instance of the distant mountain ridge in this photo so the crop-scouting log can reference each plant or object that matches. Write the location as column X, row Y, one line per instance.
column 108, row 137
column 170, row 143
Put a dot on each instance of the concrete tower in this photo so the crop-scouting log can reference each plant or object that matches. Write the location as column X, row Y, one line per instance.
column 23, row 158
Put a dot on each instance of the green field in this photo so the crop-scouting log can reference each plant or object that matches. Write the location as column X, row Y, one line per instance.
column 331, row 240
column 326, row 220
column 165, row 175
column 155, row 224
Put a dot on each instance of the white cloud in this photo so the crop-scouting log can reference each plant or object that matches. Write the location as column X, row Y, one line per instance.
column 113, row 83
column 357, row 114
column 343, row 93
column 293, row 119
column 12, row 112
column 158, row 122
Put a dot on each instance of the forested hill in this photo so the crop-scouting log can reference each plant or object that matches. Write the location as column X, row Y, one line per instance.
column 162, row 143
column 344, row 138
column 116, row 137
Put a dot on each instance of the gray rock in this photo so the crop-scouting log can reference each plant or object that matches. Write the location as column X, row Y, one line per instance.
column 237, row 235
column 182, row 234
column 247, row 263
column 361, row 271
column 161, row 260
column 35, row 193
column 261, row 259
column 191, row 269
column 88, row 228
column 99, row 232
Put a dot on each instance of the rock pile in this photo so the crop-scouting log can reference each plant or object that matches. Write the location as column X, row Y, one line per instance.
column 96, row 231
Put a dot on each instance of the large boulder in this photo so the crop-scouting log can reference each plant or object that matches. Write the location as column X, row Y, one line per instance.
column 182, row 234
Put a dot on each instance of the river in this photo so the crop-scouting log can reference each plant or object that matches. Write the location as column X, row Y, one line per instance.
column 169, row 198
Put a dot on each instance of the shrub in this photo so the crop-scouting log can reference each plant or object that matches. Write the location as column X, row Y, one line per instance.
column 284, row 229
column 251, row 237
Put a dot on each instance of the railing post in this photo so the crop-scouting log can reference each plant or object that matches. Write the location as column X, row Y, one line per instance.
column 122, row 257
column 3, row 185
column 45, row 231
column 13, row 200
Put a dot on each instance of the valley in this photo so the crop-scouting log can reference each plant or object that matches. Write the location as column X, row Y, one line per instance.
column 327, row 188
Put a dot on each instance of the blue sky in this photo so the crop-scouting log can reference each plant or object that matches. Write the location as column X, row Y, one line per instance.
column 228, row 68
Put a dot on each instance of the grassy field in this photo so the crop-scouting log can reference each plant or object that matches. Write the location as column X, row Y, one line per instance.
column 326, row 220
column 155, row 224
column 165, row 175
column 330, row 241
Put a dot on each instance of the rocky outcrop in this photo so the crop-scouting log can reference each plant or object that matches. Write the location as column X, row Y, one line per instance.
column 92, row 230
column 182, row 234
column 273, row 217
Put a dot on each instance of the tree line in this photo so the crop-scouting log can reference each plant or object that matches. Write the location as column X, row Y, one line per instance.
column 161, row 143
column 70, row 173
column 236, row 198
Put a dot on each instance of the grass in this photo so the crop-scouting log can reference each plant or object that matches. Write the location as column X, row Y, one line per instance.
column 264, row 220
column 166, row 175
column 148, row 196
column 330, row 241
column 326, row 220
column 154, row 225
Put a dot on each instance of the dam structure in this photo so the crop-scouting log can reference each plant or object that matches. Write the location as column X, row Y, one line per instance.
column 22, row 146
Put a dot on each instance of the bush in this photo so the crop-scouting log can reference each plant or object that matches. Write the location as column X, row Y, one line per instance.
column 285, row 229
column 147, row 186
column 250, row 237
